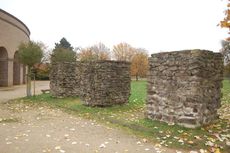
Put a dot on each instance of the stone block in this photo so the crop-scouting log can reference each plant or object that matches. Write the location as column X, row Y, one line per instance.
column 188, row 82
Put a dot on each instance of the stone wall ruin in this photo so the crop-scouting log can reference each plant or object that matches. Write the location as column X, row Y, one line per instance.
column 97, row 83
column 185, row 87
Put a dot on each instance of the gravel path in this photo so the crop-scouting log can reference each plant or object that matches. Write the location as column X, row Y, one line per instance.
column 34, row 128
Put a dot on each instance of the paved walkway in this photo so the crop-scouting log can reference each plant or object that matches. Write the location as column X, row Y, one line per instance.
column 7, row 93
column 31, row 128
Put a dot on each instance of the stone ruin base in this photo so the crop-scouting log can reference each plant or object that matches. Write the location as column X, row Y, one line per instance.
column 184, row 87
column 98, row 83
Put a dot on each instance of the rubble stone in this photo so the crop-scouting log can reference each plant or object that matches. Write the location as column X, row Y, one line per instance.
column 97, row 83
column 184, row 87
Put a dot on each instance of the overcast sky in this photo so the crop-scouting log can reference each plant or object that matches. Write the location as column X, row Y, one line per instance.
column 157, row 25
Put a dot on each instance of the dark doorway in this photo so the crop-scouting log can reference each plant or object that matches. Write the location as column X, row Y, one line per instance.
column 3, row 67
column 16, row 72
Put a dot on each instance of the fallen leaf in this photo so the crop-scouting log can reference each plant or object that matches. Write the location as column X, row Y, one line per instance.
column 110, row 139
column 72, row 129
column 209, row 143
column 138, row 142
column 145, row 140
column 168, row 135
column 57, row 147
column 157, row 145
column 193, row 151
column 197, row 137
column 190, row 142
column 217, row 150
column 181, row 141
column 176, row 137
column 66, row 135
column 74, row 143
column 202, row 151
column 102, row 145
column 211, row 139
column 170, row 124
column 228, row 143
column 48, row 136
column 62, row 151
column 218, row 137
column 87, row 145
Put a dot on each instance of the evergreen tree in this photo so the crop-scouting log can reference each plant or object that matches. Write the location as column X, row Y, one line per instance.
column 63, row 44
column 63, row 52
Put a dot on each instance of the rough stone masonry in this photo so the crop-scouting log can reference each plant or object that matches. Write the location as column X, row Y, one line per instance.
column 97, row 83
column 184, row 87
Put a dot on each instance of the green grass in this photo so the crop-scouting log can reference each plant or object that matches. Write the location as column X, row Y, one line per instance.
column 226, row 92
column 131, row 118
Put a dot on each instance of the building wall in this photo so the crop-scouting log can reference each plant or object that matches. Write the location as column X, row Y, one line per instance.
column 12, row 33
column 185, row 87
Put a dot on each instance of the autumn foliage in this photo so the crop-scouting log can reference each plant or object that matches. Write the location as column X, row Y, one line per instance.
column 93, row 53
column 137, row 56
column 120, row 52
column 225, row 23
column 139, row 63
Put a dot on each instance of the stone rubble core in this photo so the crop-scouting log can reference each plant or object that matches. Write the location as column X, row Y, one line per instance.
column 184, row 87
column 97, row 83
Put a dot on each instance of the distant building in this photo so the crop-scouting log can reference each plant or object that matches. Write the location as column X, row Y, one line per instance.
column 12, row 33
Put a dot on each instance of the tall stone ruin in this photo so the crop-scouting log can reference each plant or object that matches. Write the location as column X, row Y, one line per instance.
column 184, row 87
column 105, row 83
column 63, row 80
column 97, row 83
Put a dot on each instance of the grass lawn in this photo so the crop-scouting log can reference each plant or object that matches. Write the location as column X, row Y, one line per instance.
column 130, row 117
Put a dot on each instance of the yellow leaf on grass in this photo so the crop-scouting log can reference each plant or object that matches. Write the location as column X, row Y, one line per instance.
column 217, row 150
column 190, row 142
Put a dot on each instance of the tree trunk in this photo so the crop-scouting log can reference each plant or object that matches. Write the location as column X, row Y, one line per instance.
column 34, row 82
column 28, row 82
column 136, row 76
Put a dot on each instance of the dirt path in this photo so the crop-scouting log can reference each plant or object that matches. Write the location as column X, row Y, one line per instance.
column 31, row 128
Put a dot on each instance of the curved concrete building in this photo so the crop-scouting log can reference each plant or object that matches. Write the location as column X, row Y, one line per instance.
column 12, row 33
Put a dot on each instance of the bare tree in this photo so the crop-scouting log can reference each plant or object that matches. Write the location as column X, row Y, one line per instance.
column 225, row 51
column 123, row 52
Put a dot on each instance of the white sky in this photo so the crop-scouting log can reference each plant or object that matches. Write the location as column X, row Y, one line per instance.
column 157, row 25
